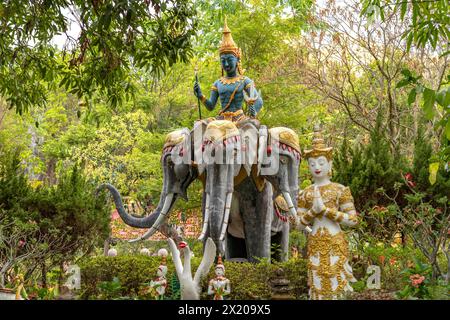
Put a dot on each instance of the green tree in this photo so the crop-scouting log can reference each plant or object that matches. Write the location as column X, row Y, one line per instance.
column 428, row 25
column 46, row 226
column 115, row 38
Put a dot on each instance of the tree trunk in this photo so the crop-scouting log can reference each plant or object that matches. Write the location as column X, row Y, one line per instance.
column 106, row 246
column 447, row 254
column 61, row 273
column 3, row 272
column 44, row 275
column 2, row 280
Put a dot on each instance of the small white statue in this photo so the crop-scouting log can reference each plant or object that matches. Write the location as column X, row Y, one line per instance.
column 145, row 252
column 190, row 287
column 219, row 286
column 162, row 252
column 112, row 252
column 160, row 283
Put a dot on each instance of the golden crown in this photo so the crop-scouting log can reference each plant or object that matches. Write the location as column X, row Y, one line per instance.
column 220, row 263
column 318, row 146
column 228, row 45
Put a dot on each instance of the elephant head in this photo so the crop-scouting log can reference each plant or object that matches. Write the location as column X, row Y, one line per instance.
column 220, row 158
column 279, row 150
column 178, row 174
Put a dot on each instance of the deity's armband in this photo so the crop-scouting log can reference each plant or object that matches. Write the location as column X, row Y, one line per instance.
column 305, row 217
column 346, row 217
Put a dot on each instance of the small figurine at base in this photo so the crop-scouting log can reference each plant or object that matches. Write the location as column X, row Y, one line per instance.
column 159, row 285
column 219, row 286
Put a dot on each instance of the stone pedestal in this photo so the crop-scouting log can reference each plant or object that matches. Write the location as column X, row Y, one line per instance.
column 280, row 287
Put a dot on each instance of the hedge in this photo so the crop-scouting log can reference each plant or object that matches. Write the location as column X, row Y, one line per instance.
column 134, row 272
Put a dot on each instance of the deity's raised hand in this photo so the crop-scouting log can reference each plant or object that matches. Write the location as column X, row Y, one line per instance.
column 318, row 205
column 197, row 90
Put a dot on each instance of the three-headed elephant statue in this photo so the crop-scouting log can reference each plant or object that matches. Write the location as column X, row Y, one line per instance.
column 244, row 167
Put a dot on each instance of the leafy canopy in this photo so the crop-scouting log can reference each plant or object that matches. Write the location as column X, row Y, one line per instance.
column 115, row 38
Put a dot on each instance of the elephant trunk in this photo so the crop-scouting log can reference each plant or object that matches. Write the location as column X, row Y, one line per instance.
column 286, row 183
column 151, row 221
column 220, row 191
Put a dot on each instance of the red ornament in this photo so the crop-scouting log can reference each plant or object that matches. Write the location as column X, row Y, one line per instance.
column 182, row 245
column 269, row 150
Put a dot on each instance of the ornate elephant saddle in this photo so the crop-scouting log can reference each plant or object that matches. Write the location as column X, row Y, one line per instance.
column 173, row 138
column 285, row 136
column 220, row 130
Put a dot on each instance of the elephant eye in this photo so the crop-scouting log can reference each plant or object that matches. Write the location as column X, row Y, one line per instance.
column 283, row 160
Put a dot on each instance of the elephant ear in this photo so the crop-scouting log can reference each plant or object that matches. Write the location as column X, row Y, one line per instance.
column 207, row 261
column 181, row 151
column 197, row 143
column 262, row 147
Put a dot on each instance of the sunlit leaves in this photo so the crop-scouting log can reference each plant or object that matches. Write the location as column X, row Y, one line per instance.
column 115, row 38
column 433, row 169
column 430, row 20
column 428, row 102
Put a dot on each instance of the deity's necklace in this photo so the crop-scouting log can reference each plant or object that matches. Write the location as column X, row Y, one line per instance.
column 225, row 80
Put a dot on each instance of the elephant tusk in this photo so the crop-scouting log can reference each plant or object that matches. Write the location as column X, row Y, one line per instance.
column 159, row 221
column 226, row 216
column 291, row 206
column 292, row 211
column 205, row 222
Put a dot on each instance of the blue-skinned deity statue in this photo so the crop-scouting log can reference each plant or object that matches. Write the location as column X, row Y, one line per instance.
column 233, row 88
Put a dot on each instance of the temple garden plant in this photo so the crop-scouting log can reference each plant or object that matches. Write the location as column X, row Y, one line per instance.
column 417, row 279
column 134, row 272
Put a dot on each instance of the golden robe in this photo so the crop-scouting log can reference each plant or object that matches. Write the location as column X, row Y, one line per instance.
column 329, row 272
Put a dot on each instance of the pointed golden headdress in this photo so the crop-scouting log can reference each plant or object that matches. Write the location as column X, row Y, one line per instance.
column 228, row 45
column 220, row 263
column 318, row 146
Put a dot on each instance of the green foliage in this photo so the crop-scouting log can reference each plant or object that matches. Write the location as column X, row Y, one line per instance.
column 359, row 285
column 429, row 26
column 366, row 168
column 248, row 281
column 133, row 271
column 423, row 157
column 416, row 281
column 109, row 289
column 175, row 288
column 40, row 293
column 392, row 259
column 57, row 222
column 429, row 19
column 115, row 39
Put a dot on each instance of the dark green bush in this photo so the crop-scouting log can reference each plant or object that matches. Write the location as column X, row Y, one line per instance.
column 366, row 168
column 248, row 281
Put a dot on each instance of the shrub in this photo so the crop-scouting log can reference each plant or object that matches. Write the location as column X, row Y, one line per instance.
column 417, row 279
column 365, row 168
column 134, row 272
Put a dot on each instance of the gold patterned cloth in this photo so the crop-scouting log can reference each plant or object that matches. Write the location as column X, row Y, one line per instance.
column 329, row 272
column 232, row 116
